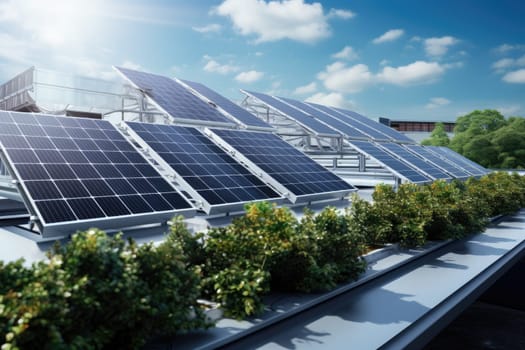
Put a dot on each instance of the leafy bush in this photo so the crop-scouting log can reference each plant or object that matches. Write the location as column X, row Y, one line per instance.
column 98, row 292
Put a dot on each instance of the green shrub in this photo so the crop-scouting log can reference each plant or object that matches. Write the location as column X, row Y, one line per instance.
column 366, row 220
column 99, row 292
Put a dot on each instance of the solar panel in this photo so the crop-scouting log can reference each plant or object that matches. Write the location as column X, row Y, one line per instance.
column 371, row 132
column 290, row 170
column 396, row 165
column 344, row 128
column 452, row 169
column 83, row 172
column 417, row 162
column 394, row 134
column 470, row 166
column 218, row 181
column 174, row 99
column 303, row 119
column 235, row 111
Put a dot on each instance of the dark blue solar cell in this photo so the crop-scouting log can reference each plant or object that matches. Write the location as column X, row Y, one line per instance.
column 23, row 118
column 48, row 121
column 463, row 162
column 64, row 144
column 234, row 110
column 55, row 211
column 40, row 142
column 129, row 171
column 32, row 172
column 69, row 122
column 23, row 156
column 85, row 208
column 107, row 171
column 175, row 200
column 85, row 171
column 72, row 188
column 106, row 145
column 77, row 133
column 56, row 131
column 14, row 141
column 112, row 206
column 9, row 129
column 174, row 98
column 86, row 145
column 157, row 202
column 96, row 157
column 142, row 185
column 31, row 130
column 60, row 171
column 116, row 157
column 274, row 156
column 96, row 134
column 49, row 156
column 136, row 204
column 121, row 186
column 159, row 184
column 42, row 190
column 74, row 157
column 97, row 187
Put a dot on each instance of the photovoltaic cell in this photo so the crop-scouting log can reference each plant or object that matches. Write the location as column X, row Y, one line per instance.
column 388, row 160
column 288, row 166
column 305, row 120
column 417, row 162
column 455, row 171
column 347, row 130
column 394, row 134
column 67, row 177
column 174, row 98
column 209, row 170
column 239, row 113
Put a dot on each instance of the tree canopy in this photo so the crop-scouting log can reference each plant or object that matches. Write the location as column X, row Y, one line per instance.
column 438, row 137
column 487, row 138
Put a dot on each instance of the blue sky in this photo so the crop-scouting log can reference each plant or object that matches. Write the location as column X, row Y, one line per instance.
column 404, row 59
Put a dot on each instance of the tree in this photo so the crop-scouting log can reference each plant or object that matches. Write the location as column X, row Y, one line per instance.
column 438, row 137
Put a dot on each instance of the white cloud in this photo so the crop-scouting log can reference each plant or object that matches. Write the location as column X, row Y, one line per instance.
column 419, row 72
column 210, row 28
column 347, row 53
column 437, row 47
column 506, row 48
column 391, row 35
column 249, row 76
column 341, row 78
column 131, row 65
column 213, row 66
column 338, row 77
column 436, row 102
column 334, row 99
column 277, row 20
column 384, row 62
column 515, row 77
column 509, row 110
column 343, row 14
column 503, row 64
column 306, row 89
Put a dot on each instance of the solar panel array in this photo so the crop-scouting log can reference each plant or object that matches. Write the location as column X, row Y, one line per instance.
column 237, row 112
column 287, row 166
column 208, row 170
column 344, row 128
column 173, row 98
column 371, row 132
column 398, row 166
column 456, row 158
column 305, row 120
column 394, row 134
column 454, row 170
column 75, row 170
column 417, row 162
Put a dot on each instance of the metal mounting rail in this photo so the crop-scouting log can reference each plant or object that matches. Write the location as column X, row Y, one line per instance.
column 403, row 307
